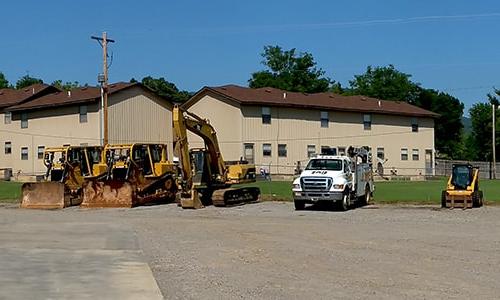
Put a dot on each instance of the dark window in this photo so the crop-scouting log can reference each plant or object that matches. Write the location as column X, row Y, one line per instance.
column 404, row 154
column 40, row 151
column 83, row 114
column 325, row 164
column 327, row 150
column 311, row 150
column 7, row 117
column 380, row 153
column 266, row 115
column 414, row 125
column 282, row 150
column 266, row 149
column 324, row 119
column 367, row 122
column 24, row 153
column 8, row 147
column 341, row 150
column 414, row 154
column 24, row 120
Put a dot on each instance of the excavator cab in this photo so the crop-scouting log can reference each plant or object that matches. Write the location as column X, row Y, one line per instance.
column 136, row 174
column 462, row 189
column 67, row 167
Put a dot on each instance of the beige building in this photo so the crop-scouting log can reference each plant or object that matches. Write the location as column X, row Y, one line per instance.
column 276, row 130
column 56, row 118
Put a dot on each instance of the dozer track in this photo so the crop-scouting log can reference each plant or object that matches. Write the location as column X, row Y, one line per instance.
column 235, row 196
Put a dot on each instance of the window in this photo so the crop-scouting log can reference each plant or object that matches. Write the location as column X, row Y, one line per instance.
column 311, row 150
column 7, row 117
column 24, row 153
column 327, row 150
column 414, row 125
column 8, row 147
column 380, row 153
column 414, row 154
column 266, row 149
column 266, row 115
column 83, row 114
column 40, row 151
column 325, row 164
column 341, row 150
column 24, row 120
column 404, row 154
column 84, row 144
column 367, row 122
column 282, row 150
column 324, row 119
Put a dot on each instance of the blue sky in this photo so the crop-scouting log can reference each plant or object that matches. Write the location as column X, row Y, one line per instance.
column 452, row 46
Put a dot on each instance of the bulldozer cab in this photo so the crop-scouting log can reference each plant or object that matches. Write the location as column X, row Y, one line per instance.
column 462, row 176
column 60, row 161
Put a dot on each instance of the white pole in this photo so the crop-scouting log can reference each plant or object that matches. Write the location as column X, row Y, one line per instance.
column 493, row 142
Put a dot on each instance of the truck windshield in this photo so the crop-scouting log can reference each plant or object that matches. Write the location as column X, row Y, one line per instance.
column 325, row 164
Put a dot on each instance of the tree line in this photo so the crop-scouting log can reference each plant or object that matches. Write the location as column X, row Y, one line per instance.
column 295, row 71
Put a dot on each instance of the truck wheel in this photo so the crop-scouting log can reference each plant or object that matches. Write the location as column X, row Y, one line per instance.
column 299, row 205
column 345, row 203
column 481, row 198
column 443, row 199
column 365, row 200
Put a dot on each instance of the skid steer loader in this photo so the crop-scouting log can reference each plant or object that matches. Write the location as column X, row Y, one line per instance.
column 136, row 174
column 462, row 189
column 67, row 168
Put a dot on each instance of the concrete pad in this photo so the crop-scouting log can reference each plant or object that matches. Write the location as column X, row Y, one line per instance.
column 72, row 261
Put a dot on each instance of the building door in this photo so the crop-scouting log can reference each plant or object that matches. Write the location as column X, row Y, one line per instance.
column 249, row 153
column 428, row 162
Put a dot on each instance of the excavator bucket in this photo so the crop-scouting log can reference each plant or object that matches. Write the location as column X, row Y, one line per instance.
column 110, row 193
column 191, row 200
column 46, row 195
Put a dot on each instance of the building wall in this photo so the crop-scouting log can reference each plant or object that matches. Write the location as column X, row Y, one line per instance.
column 139, row 117
column 226, row 118
column 48, row 128
column 298, row 128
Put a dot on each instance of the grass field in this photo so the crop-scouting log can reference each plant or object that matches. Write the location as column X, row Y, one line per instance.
column 10, row 191
column 410, row 192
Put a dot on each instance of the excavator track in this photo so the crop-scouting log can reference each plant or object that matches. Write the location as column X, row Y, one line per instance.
column 235, row 196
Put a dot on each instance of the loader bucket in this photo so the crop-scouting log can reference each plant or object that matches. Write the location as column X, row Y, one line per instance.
column 108, row 194
column 46, row 195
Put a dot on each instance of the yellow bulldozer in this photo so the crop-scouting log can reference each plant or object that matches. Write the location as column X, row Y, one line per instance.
column 136, row 174
column 462, row 189
column 205, row 178
column 67, row 168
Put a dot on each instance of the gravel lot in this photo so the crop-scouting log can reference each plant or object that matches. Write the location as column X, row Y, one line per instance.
column 269, row 251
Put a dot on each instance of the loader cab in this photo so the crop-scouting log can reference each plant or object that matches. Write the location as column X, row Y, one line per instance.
column 462, row 176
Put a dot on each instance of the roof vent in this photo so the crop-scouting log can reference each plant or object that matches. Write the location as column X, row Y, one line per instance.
column 223, row 88
column 83, row 88
column 363, row 99
column 267, row 90
column 69, row 94
column 379, row 103
column 331, row 96
column 284, row 95
column 33, row 91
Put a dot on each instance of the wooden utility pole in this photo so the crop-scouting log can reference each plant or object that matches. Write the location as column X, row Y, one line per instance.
column 103, row 41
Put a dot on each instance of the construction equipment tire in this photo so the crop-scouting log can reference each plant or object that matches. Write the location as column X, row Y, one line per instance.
column 443, row 199
column 299, row 204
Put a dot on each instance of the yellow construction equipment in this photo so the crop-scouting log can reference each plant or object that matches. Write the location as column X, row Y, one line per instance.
column 205, row 176
column 136, row 174
column 462, row 190
column 67, row 168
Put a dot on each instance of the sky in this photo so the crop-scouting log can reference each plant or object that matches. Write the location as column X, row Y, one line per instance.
column 451, row 46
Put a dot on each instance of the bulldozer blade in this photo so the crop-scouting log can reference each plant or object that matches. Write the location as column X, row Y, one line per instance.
column 46, row 195
column 98, row 194
column 191, row 200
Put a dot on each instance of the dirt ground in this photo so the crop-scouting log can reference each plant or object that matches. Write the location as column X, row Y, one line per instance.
column 269, row 251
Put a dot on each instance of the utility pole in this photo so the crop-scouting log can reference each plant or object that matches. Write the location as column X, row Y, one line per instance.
column 103, row 80
column 493, row 142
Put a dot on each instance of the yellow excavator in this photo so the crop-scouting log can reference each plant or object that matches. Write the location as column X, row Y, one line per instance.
column 136, row 174
column 462, row 189
column 67, row 168
column 205, row 178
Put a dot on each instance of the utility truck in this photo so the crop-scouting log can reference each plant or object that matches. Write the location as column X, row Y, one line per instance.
column 341, row 180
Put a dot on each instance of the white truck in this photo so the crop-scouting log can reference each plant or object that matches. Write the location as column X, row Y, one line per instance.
column 340, row 180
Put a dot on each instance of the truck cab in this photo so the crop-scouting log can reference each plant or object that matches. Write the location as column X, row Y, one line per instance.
column 340, row 180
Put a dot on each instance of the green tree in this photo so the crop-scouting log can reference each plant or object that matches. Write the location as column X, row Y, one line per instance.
column 290, row 71
column 67, row 85
column 448, row 127
column 26, row 81
column 4, row 83
column 480, row 138
column 385, row 83
column 165, row 88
